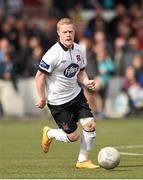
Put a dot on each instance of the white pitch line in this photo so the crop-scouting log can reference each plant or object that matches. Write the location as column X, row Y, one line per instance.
column 131, row 154
column 129, row 146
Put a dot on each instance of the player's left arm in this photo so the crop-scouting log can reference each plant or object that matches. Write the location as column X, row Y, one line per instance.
column 83, row 79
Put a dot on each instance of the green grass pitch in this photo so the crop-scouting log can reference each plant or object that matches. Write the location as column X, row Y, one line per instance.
column 21, row 156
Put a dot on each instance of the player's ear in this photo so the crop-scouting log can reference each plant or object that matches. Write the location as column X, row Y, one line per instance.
column 58, row 33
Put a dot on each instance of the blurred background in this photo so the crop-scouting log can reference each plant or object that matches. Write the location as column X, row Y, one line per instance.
column 110, row 33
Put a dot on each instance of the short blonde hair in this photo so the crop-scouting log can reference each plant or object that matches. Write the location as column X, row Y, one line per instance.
column 64, row 21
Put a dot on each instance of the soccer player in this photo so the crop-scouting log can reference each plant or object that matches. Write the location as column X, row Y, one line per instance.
column 60, row 71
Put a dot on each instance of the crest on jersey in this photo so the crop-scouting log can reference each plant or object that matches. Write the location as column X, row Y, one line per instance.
column 78, row 58
column 71, row 70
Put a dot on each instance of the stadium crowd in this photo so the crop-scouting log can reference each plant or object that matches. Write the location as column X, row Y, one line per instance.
column 114, row 48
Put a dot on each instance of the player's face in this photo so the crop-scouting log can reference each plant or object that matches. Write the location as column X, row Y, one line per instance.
column 66, row 35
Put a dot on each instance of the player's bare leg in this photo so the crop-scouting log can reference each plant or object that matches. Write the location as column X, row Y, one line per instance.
column 87, row 139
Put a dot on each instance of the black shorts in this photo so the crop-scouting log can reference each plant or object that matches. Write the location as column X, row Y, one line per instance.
column 68, row 114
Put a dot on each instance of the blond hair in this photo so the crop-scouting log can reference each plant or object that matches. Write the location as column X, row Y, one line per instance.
column 64, row 21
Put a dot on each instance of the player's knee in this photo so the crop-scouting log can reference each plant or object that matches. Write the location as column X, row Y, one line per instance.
column 89, row 124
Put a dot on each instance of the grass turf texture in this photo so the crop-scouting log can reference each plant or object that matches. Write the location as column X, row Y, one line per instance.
column 21, row 156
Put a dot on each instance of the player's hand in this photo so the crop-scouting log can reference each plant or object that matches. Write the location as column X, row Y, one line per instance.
column 90, row 84
column 41, row 103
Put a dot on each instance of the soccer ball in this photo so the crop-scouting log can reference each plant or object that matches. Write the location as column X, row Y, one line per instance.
column 108, row 158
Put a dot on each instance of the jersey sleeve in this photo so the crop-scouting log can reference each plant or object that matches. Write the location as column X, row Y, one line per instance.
column 84, row 60
column 47, row 62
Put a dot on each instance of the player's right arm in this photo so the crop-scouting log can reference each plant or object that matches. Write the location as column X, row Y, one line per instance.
column 40, row 80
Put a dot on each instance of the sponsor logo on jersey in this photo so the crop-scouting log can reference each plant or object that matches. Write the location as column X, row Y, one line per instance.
column 71, row 70
column 43, row 65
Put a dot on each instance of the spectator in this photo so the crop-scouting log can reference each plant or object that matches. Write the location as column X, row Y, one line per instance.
column 119, row 44
column 139, row 35
column 34, row 42
column 8, row 30
column 5, row 47
column 138, row 66
column 33, row 62
column 133, row 88
column 121, row 12
column 100, row 40
column 130, row 49
column 7, row 68
column 105, row 68
column 134, row 13
column 50, row 32
column 22, row 27
column 97, row 23
column 22, row 55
